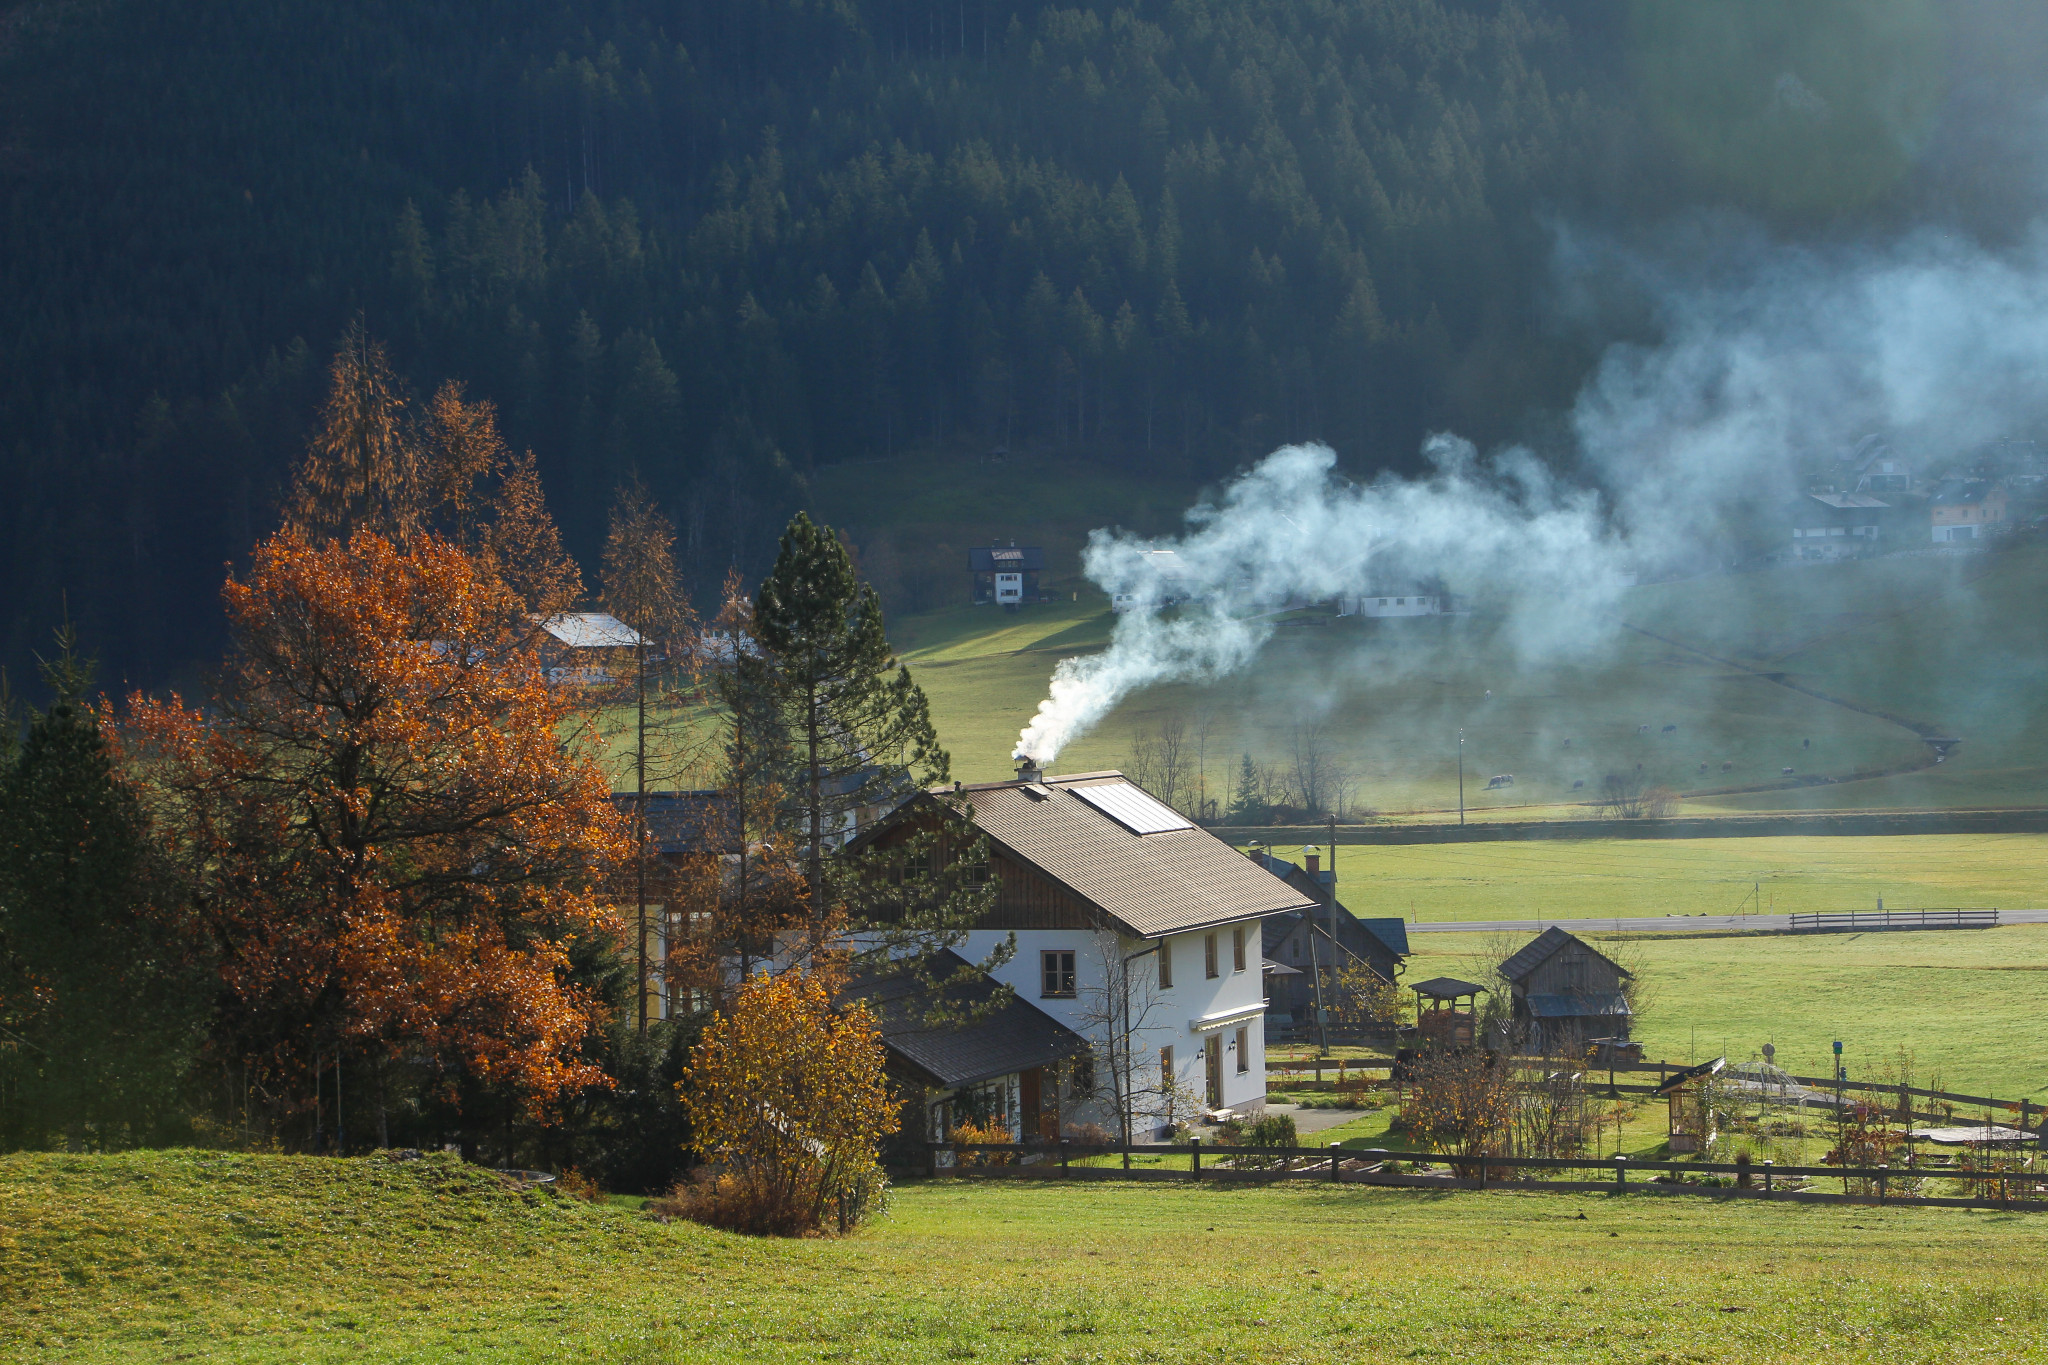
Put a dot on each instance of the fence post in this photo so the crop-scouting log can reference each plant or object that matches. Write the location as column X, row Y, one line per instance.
column 1482, row 1171
column 1195, row 1149
column 1065, row 1145
column 1336, row 1155
column 1883, row 1170
column 1620, row 1172
column 1767, row 1178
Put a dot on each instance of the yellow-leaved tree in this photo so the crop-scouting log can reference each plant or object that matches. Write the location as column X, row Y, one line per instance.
column 787, row 1098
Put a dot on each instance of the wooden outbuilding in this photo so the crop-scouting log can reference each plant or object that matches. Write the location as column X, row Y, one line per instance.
column 1447, row 1011
column 1566, row 992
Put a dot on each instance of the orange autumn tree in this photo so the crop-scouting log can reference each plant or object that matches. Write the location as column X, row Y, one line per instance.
column 391, row 847
column 786, row 1094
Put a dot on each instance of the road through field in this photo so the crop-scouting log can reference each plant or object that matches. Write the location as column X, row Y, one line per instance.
column 1674, row 924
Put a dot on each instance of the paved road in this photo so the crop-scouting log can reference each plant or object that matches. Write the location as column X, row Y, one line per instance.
column 1661, row 923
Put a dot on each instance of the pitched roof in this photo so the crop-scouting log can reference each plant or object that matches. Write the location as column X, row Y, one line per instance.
column 1152, row 884
column 686, row 822
column 1848, row 501
column 1690, row 1074
column 1013, row 1037
column 1005, row 559
column 1538, row 950
column 591, row 630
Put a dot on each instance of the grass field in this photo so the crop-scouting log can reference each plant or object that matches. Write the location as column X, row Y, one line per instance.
column 203, row 1256
column 1967, row 1003
column 1596, row 878
column 1957, row 645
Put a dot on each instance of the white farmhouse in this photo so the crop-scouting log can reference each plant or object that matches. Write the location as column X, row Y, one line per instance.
column 1136, row 930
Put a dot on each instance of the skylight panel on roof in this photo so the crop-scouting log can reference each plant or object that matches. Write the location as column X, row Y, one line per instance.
column 1132, row 808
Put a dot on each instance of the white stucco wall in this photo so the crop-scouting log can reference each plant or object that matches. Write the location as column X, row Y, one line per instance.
column 1172, row 1015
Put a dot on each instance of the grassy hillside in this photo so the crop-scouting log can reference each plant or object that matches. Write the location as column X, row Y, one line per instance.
column 204, row 1256
column 1952, row 645
column 1595, row 878
column 1966, row 1003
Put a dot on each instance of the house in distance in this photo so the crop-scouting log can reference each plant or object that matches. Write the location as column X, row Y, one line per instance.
column 1006, row 575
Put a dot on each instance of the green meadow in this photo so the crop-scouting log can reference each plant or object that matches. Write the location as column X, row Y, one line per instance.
column 213, row 1257
column 1599, row 878
column 1965, row 1004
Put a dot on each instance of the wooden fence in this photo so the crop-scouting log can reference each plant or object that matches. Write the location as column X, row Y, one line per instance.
column 1857, row 921
column 2024, row 1191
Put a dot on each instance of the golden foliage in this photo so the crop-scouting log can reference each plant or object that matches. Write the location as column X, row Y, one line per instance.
column 383, row 833
column 787, row 1092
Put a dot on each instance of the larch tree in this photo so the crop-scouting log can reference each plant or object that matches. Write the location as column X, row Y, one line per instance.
column 641, row 588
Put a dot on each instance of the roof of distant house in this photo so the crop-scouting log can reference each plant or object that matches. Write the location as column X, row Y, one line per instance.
column 591, row 630
column 686, row 821
column 1961, row 493
column 1538, row 950
column 1005, row 559
column 1848, row 501
column 999, row 1040
column 1115, row 847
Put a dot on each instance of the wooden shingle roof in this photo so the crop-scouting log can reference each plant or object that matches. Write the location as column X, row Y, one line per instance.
column 1538, row 950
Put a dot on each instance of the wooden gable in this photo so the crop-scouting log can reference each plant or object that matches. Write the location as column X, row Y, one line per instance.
column 1025, row 898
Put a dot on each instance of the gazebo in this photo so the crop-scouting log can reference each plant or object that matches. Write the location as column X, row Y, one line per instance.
column 1446, row 1010
column 1688, row 1096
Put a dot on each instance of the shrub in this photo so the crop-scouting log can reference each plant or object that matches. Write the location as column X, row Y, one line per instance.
column 577, row 1185
column 788, row 1096
column 986, row 1130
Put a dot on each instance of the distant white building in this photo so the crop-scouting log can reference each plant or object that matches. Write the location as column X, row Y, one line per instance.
column 1172, row 578
column 1396, row 604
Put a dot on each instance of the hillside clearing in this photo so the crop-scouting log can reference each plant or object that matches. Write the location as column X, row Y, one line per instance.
column 205, row 1256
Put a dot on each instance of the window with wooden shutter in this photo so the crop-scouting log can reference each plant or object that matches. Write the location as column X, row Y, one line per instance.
column 1165, row 963
column 1209, row 956
column 1244, row 1051
column 1237, row 949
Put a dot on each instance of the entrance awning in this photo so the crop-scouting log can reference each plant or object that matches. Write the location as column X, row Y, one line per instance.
column 1209, row 1023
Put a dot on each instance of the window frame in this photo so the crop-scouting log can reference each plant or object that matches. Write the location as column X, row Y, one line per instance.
column 1244, row 1050
column 1167, row 1075
column 1165, row 956
column 1051, row 973
column 1212, row 965
column 1237, row 948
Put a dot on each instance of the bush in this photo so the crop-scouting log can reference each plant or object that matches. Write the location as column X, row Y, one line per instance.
column 738, row 1200
column 1274, row 1130
column 577, row 1185
column 987, row 1130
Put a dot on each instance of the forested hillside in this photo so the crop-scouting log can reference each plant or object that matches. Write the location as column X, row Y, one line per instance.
column 724, row 243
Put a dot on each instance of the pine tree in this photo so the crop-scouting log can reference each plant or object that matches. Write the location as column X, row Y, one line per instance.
column 860, row 731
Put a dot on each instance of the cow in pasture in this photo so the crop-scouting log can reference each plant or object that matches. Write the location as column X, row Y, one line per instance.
column 1671, row 729
column 1500, row 780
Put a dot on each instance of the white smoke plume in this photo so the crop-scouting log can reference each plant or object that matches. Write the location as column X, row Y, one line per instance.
column 1772, row 360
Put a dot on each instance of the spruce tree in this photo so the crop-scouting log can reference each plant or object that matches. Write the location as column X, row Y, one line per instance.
column 102, row 999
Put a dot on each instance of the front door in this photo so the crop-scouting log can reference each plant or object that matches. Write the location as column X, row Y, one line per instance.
column 1212, row 1054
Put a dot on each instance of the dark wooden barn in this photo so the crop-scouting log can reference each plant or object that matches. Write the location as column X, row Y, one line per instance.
column 1566, row 992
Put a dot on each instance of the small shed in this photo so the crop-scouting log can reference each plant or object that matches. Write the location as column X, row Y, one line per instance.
column 1689, row 1097
column 1446, row 1011
column 1567, row 992
column 1006, row 575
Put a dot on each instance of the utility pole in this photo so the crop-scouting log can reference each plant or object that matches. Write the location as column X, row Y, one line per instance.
column 1461, row 774
column 640, row 815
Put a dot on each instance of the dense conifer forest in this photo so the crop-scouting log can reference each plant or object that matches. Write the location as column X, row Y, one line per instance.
column 725, row 243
